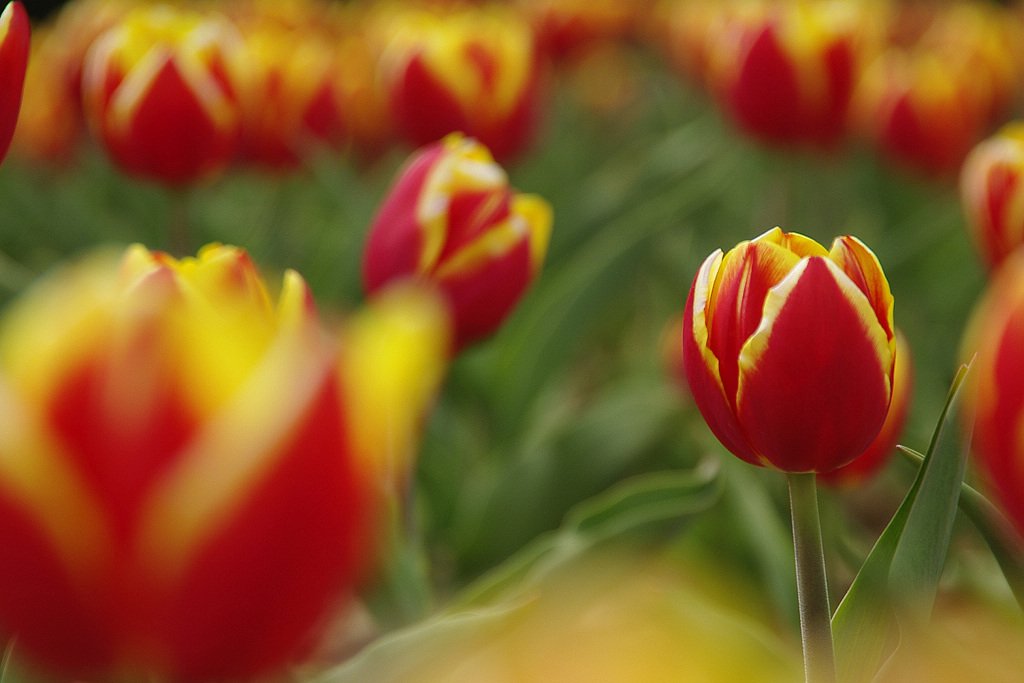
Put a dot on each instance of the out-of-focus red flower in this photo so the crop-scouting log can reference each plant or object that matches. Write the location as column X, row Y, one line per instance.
column 474, row 71
column 789, row 350
column 868, row 463
column 189, row 468
column 50, row 123
column 995, row 339
column 567, row 29
column 785, row 71
column 161, row 90
column 295, row 102
column 451, row 219
column 14, row 49
column 992, row 193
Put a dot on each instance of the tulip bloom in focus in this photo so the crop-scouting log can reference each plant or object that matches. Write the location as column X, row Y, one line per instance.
column 14, row 44
column 184, row 491
column 996, row 389
column 789, row 350
column 785, row 71
column 452, row 220
column 161, row 91
column 868, row 463
column 474, row 72
column 992, row 193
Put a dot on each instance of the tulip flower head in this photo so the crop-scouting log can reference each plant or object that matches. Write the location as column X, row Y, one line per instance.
column 187, row 466
column 789, row 350
column 784, row 71
column 995, row 396
column 992, row 193
column 14, row 48
column 868, row 463
column 474, row 72
column 161, row 91
column 452, row 220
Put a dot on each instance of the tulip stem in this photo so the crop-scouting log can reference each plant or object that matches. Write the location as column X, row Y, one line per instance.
column 811, row 586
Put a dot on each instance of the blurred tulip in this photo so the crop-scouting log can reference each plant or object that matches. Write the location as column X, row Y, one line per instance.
column 785, row 71
column 992, row 194
column 161, row 91
column 451, row 219
column 789, row 350
column 182, row 494
column 920, row 109
column 474, row 72
column 567, row 29
column 686, row 33
column 995, row 338
column 50, row 124
column 296, row 99
column 14, row 48
column 868, row 463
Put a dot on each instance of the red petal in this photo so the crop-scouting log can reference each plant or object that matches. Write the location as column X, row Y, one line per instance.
column 815, row 380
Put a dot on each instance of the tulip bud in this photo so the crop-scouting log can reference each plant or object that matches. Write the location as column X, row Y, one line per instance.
column 785, row 71
column 789, row 350
column 14, row 43
column 868, row 463
column 296, row 100
column 474, row 72
column 186, row 491
column 921, row 109
column 995, row 391
column 992, row 193
column 161, row 92
column 451, row 220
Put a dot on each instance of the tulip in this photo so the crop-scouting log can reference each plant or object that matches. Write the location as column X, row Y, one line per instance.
column 567, row 29
column 992, row 194
column 995, row 393
column 784, row 71
column 182, row 494
column 452, row 220
column 14, row 44
column 161, row 91
column 921, row 109
column 297, row 97
column 789, row 350
column 474, row 72
column 868, row 463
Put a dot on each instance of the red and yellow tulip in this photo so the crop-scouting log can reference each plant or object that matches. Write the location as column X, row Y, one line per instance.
column 14, row 48
column 161, row 90
column 188, row 469
column 992, row 193
column 868, row 463
column 452, row 220
column 789, row 350
column 995, row 338
column 785, row 71
column 474, row 71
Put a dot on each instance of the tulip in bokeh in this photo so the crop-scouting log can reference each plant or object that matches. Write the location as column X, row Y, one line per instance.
column 784, row 71
column 992, row 193
column 872, row 460
column 789, row 350
column 14, row 48
column 296, row 97
column 996, row 389
column 451, row 219
column 474, row 71
column 161, row 91
column 185, row 491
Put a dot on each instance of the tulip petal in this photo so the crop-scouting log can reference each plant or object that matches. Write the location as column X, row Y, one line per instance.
column 861, row 265
column 814, row 384
column 702, row 367
column 736, row 300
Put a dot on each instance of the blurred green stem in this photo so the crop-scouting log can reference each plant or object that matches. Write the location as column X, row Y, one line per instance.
column 811, row 587
column 179, row 234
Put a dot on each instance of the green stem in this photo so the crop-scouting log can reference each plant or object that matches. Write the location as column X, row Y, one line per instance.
column 811, row 587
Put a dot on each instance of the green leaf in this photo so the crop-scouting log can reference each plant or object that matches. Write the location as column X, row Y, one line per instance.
column 994, row 528
column 866, row 619
column 633, row 505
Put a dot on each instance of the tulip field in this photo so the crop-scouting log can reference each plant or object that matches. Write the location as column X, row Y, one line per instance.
column 438, row 341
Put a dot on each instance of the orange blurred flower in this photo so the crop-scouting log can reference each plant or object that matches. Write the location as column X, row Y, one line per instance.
column 992, row 193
